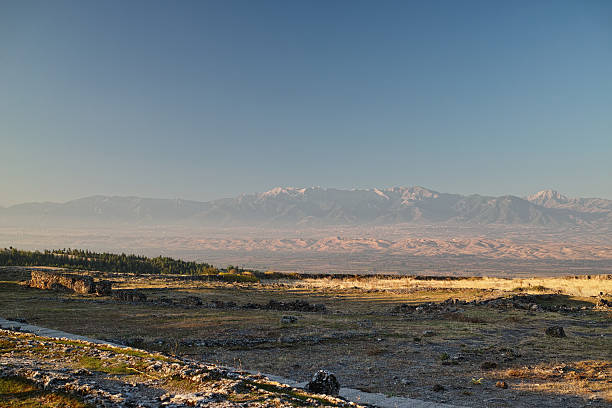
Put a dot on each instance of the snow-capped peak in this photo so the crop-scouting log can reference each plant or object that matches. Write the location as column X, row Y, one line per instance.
column 286, row 191
column 380, row 193
column 548, row 195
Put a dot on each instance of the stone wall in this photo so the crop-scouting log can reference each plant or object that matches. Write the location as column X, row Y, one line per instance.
column 80, row 284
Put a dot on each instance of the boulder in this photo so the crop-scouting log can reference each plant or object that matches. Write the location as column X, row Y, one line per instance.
column 555, row 331
column 296, row 305
column 603, row 303
column 42, row 279
column 103, row 288
column 57, row 287
column 288, row 319
column 129, row 296
column 191, row 301
column 488, row 365
column 438, row 388
column 324, row 382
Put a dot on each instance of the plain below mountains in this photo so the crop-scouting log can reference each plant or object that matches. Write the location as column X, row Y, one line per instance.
column 314, row 207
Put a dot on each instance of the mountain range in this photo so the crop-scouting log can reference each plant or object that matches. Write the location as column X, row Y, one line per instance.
column 317, row 206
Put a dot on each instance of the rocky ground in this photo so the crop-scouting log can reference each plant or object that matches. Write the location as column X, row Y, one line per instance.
column 473, row 346
column 104, row 376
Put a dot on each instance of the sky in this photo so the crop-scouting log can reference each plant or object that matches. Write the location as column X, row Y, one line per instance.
column 208, row 99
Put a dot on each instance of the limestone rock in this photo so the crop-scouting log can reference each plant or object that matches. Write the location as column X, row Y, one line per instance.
column 43, row 279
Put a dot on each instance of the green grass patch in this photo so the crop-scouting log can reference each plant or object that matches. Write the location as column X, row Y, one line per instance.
column 14, row 385
column 302, row 397
column 135, row 353
column 105, row 366
column 18, row 392
column 242, row 277
column 118, row 350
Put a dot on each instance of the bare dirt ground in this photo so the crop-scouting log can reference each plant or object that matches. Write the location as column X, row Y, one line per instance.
column 471, row 342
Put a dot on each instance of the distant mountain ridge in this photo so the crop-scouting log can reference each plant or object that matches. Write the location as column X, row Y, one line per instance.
column 316, row 206
column 554, row 199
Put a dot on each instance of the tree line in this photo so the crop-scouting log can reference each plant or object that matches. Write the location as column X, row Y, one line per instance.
column 107, row 262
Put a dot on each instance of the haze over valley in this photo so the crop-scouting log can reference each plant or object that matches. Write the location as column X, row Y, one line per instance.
column 395, row 230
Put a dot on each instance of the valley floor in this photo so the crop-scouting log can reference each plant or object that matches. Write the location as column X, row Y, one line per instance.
column 471, row 342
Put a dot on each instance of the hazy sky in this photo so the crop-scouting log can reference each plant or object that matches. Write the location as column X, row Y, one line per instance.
column 208, row 99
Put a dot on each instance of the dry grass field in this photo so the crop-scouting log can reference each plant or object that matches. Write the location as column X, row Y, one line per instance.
column 477, row 342
column 573, row 286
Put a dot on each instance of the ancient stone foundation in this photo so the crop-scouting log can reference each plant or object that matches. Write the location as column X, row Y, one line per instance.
column 77, row 283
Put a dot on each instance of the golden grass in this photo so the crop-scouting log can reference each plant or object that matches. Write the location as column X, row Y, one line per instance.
column 566, row 285
column 577, row 378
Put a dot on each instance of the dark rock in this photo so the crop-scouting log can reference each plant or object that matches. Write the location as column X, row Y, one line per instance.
column 134, row 341
column 555, row 331
column 57, row 287
column 296, row 305
column 603, row 303
column 250, row 306
column 219, row 304
column 103, row 288
column 324, row 382
column 438, row 388
column 129, row 296
column 288, row 319
column 366, row 324
column 191, row 301
column 488, row 365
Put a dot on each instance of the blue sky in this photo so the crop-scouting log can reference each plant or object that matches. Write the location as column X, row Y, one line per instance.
column 209, row 99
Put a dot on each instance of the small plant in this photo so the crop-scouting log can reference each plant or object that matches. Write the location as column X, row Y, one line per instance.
column 444, row 356
column 477, row 381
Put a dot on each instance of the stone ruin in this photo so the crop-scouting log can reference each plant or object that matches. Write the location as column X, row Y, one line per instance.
column 44, row 279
